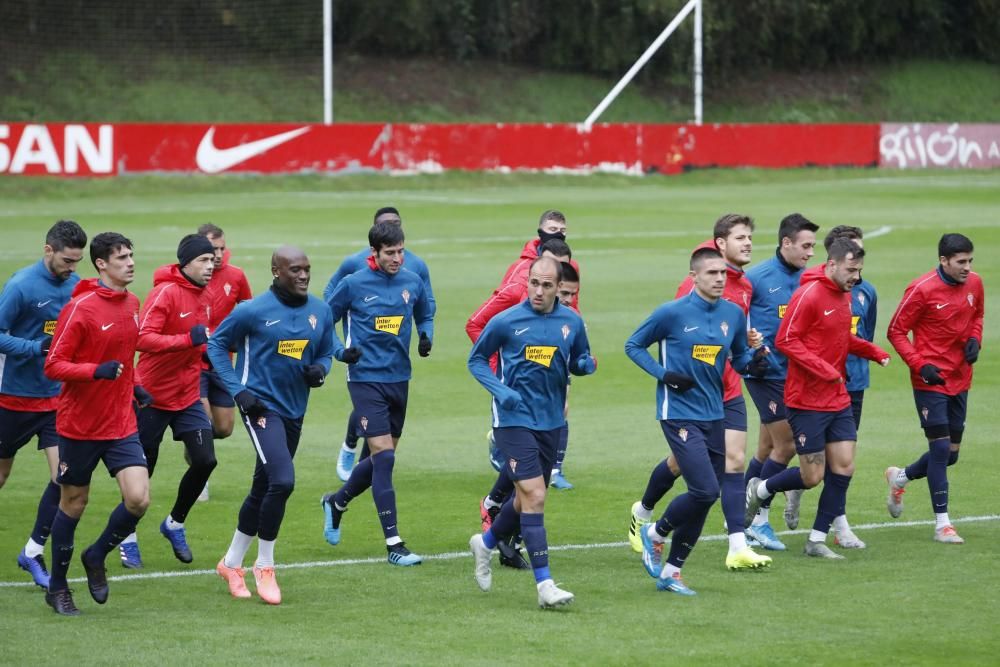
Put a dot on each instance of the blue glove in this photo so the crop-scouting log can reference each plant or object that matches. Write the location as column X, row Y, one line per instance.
column 199, row 335
column 107, row 371
column 249, row 404
column 586, row 364
column 350, row 355
column 142, row 397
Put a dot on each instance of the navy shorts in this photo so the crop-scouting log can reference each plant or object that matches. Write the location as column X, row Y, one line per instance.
column 78, row 458
column 812, row 429
column 942, row 415
column 380, row 407
column 857, row 403
column 215, row 391
column 735, row 414
column 769, row 397
column 153, row 423
column 529, row 453
column 18, row 428
column 699, row 448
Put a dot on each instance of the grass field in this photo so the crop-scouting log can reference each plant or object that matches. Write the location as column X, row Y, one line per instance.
column 904, row 600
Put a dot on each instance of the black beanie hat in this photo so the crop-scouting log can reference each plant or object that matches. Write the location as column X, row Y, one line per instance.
column 192, row 246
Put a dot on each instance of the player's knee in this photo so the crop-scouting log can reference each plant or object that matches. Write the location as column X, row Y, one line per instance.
column 137, row 503
column 281, row 486
column 952, row 458
column 735, row 462
column 222, row 431
column 675, row 469
column 704, row 494
column 811, row 478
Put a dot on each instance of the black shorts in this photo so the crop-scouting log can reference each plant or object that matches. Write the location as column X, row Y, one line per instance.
column 769, row 397
column 735, row 414
column 380, row 407
column 18, row 428
column 78, row 458
column 942, row 415
column 528, row 453
column 857, row 402
column 153, row 423
column 215, row 391
column 812, row 429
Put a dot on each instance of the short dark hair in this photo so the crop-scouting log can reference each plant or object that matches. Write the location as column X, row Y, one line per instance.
column 557, row 247
column 702, row 254
column 384, row 234
column 208, row 229
column 725, row 224
column 66, row 234
column 105, row 244
column 952, row 244
column 842, row 232
column 841, row 247
column 556, row 263
column 552, row 214
column 384, row 210
column 792, row 224
column 569, row 273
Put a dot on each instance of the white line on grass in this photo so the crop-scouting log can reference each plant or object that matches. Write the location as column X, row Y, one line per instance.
column 452, row 555
column 881, row 231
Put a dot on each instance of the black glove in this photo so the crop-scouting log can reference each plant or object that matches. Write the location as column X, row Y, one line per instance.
column 972, row 350
column 205, row 358
column 199, row 335
column 142, row 397
column 107, row 371
column 350, row 355
column 759, row 364
column 315, row 375
column 249, row 404
column 931, row 374
column 678, row 381
column 47, row 345
column 424, row 346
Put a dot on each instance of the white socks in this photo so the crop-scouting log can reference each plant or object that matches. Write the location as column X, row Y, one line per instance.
column 173, row 525
column 816, row 536
column 33, row 548
column 941, row 520
column 237, row 549
column 642, row 512
column 130, row 539
column 489, row 503
column 265, row 553
column 840, row 524
column 737, row 542
column 901, row 478
column 762, row 516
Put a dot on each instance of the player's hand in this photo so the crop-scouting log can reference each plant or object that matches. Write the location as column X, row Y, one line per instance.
column 678, row 381
column 315, row 375
column 759, row 364
column 931, row 375
column 109, row 370
column 884, row 362
column 46, row 345
column 424, row 346
column 586, row 364
column 199, row 335
column 142, row 397
column 249, row 404
column 350, row 355
column 755, row 338
column 511, row 400
column 972, row 351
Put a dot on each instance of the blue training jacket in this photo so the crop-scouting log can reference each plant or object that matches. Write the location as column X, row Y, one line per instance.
column 273, row 343
column 380, row 311
column 359, row 260
column 537, row 354
column 864, row 311
column 695, row 338
column 29, row 307
column 773, row 282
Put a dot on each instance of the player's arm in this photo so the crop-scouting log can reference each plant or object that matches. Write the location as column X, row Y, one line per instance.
column 860, row 347
column 907, row 315
column 746, row 359
column 503, row 298
column 423, row 314
column 976, row 330
column 581, row 361
column 653, row 330
column 479, row 365
column 324, row 356
column 798, row 318
column 225, row 339
column 70, row 335
column 871, row 315
column 340, row 303
column 338, row 277
column 425, row 275
column 11, row 301
column 158, row 308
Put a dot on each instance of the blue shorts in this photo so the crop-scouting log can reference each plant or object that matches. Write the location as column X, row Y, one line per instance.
column 735, row 414
column 215, row 391
column 380, row 406
column 78, row 458
column 528, row 453
column 812, row 429
column 18, row 428
column 857, row 403
column 942, row 415
column 769, row 397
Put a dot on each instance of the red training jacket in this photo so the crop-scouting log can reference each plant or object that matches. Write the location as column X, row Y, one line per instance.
column 169, row 366
column 943, row 318
column 97, row 325
column 738, row 290
column 815, row 335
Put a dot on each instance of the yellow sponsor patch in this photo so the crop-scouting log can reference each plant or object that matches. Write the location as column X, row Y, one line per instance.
column 292, row 348
column 49, row 327
column 706, row 353
column 781, row 310
column 389, row 324
column 854, row 324
column 540, row 354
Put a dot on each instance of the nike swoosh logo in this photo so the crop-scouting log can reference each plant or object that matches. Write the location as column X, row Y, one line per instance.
column 518, row 332
column 941, row 305
column 42, row 304
column 827, row 312
column 105, row 327
column 212, row 160
column 773, row 289
column 370, row 298
column 270, row 322
column 689, row 329
column 186, row 314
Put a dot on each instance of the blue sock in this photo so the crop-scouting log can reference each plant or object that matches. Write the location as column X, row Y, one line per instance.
column 48, row 505
column 533, row 533
column 937, row 474
column 789, row 479
column 121, row 524
column 687, row 533
column 769, row 470
column 503, row 487
column 383, row 493
column 679, row 511
column 356, row 484
column 561, row 448
column 753, row 470
column 832, row 501
column 733, row 501
column 63, row 528
column 661, row 480
column 918, row 469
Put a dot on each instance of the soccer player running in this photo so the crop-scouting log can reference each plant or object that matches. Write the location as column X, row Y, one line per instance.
column 774, row 282
column 382, row 303
column 733, row 237
column 92, row 355
column 29, row 305
column 815, row 336
column 540, row 343
column 352, row 264
column 173, row 331
column 695, row 335
column 283, row 341
column 943, row 310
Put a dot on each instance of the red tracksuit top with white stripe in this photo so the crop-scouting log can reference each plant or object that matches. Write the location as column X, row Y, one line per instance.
column 815, row 335
column 169, row 366
column 943, row 317
column 97, row 325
